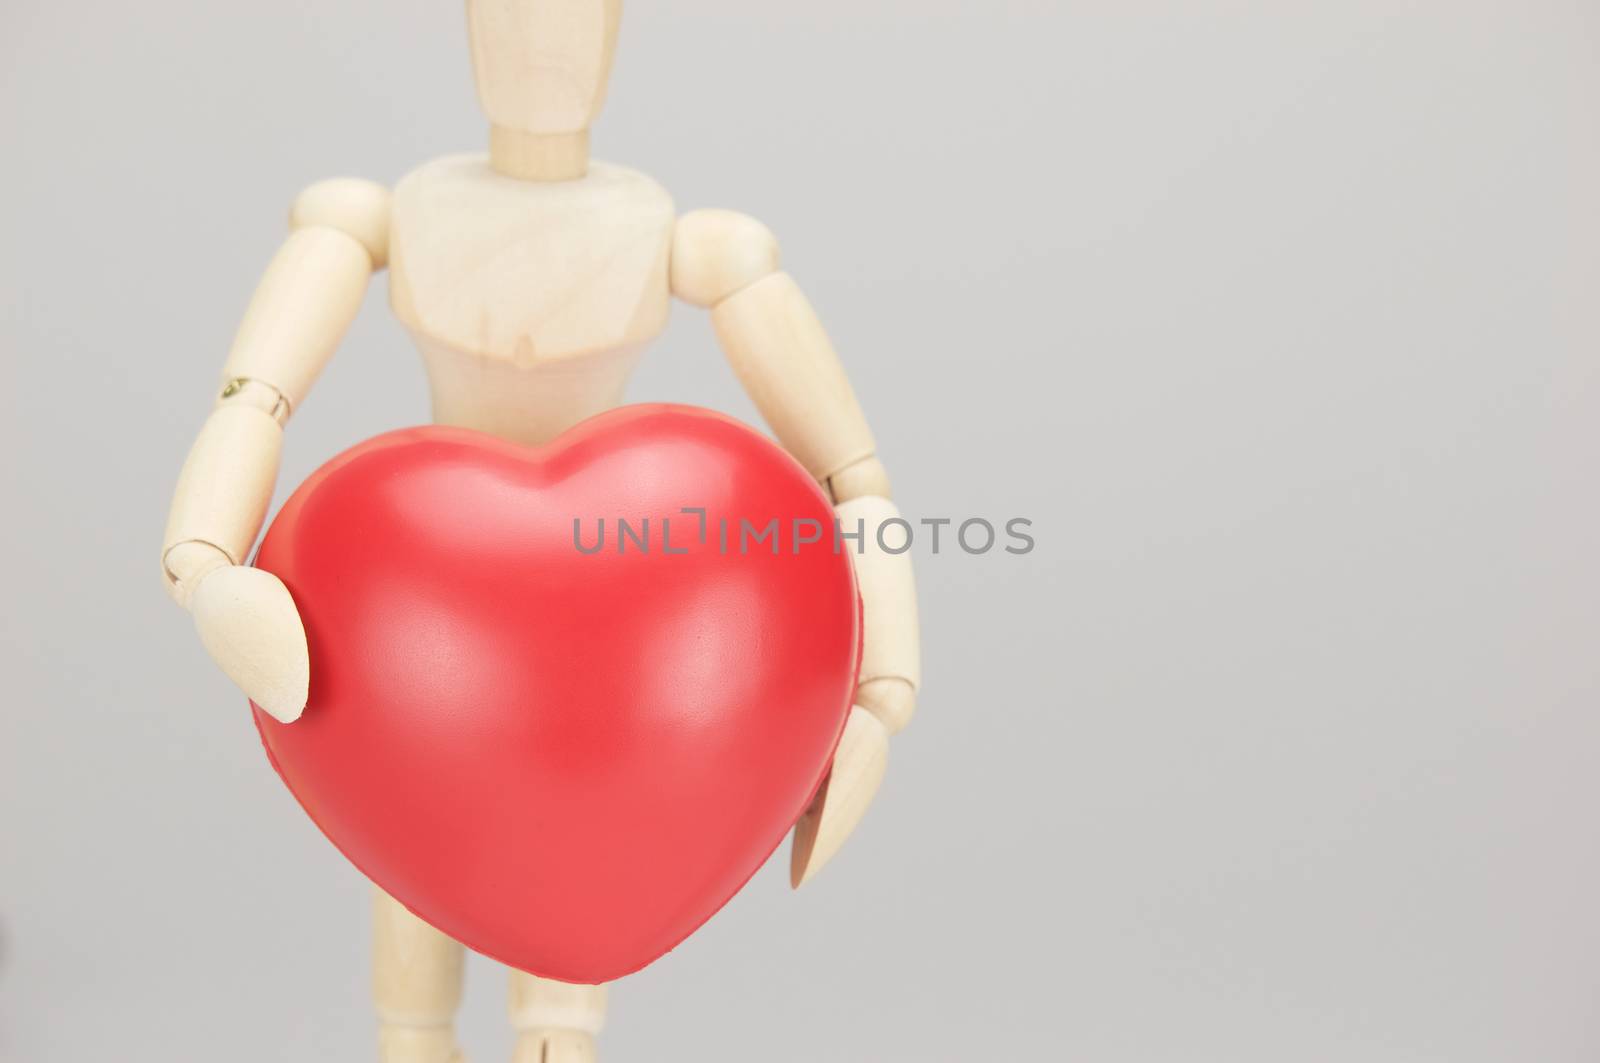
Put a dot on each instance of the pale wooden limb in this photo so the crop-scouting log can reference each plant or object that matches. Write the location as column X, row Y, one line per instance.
column 772, row 337
column 416, row 986
column 891, row 668
column 224, row 488
column 556, row 1022
column 306, row 300
column 858, row 766
column 782, row 356
column 891, row 654
column 246, row 619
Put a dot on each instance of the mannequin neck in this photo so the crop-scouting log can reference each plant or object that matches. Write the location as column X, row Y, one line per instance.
column 539, row 156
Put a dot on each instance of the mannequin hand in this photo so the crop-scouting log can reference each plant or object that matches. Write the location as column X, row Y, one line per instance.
column 858, row 766
column 250, row 626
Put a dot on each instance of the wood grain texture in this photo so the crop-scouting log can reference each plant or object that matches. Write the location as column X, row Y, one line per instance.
column 527, row 271
column 541, row 66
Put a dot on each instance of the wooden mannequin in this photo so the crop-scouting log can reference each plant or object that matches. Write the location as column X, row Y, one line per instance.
column 532, row 279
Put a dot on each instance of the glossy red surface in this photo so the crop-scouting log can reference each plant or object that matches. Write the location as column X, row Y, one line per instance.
column 565, row 761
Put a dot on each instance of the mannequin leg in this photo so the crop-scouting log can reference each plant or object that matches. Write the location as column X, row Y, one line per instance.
column 416, row 986
column 555, row 1022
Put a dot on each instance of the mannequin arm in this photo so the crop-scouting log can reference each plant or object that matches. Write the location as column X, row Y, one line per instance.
column 729, row 263
column 304, row 303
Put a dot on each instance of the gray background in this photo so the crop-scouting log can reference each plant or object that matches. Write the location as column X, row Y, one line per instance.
column 1280, row 322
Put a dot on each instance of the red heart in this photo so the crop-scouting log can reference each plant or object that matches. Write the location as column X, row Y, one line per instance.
column 566, row 761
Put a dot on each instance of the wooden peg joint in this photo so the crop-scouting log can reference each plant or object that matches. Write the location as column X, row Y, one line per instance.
column 248, row 391
column 892, row 699
column 858, row 479
column 716, row 254
column 184, row 564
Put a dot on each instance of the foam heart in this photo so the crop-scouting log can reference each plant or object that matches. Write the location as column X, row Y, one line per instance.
column 565, row 760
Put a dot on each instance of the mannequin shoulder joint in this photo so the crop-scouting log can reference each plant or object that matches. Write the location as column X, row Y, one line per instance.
column 356, row 207
column 716, row 253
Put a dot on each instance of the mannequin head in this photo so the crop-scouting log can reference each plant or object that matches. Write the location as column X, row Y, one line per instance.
column 541, row 68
